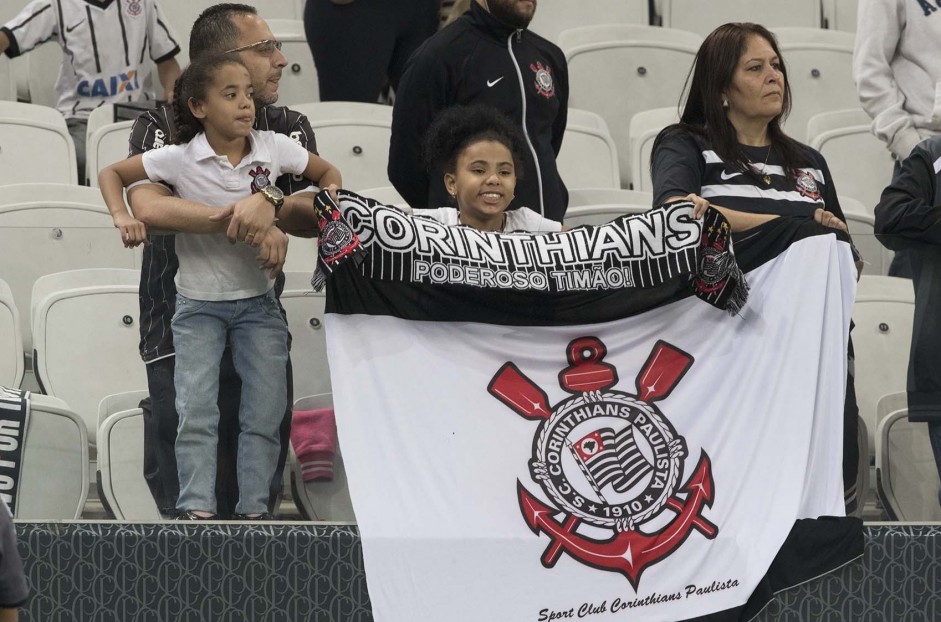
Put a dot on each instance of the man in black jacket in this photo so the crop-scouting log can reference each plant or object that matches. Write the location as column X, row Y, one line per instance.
column 908, row 217
column 486, row 57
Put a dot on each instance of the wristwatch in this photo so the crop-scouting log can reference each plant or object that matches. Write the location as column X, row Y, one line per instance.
column 274, row 196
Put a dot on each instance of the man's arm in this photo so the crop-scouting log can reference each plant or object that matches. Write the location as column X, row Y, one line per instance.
column 168, row 72
column 156, row 207
column 297, row 215
column 162, row 211
column 154, row 204
column 35, row 24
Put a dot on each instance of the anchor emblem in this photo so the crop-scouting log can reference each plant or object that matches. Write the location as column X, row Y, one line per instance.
column 609, row 460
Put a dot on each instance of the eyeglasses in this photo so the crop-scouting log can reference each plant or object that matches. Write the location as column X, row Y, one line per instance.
column 265, row 47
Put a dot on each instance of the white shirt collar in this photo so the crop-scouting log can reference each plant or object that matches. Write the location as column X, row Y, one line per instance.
column 200, row 149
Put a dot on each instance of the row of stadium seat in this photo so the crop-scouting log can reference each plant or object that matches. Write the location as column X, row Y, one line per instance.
column 623, row 73
column 54, row 476
column 553, row 17
column 87, row 320
column 356, row 136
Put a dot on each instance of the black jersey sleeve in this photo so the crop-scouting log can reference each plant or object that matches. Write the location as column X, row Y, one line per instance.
column 676, row 169
column 151, row 130
column 830, row 199
column 297, row 127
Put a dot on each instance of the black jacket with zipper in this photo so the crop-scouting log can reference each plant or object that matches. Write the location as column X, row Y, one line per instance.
column 908, row 216
column 479, row 60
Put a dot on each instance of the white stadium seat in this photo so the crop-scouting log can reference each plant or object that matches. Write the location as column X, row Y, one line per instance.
column 820, row 72
column 7, row 84
column 54, row 475
column 354, row 137
column 299, row 78
column 87, row 321
column 906, row 473
column 882, row 338
column 841, row 14
column 552, row 18
column 588, row 156
column 321, row 501
column 35, row 146
column 618, row 71
column 877, row 257
column 704, row 17
column 119, row 402
column 859, row 162
column 121, row 467
column 586, row 197
column 305, row 312
column 597, row 206
column 46, row 228
column 12, row 361
column 106, row 142
column 387, row 195
column 644, row 127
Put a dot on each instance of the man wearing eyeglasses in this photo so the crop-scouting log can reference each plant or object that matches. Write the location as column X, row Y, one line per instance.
column 235, row 29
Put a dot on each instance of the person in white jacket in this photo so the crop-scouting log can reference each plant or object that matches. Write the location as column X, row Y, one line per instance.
column 897, row 73
column 898, row 77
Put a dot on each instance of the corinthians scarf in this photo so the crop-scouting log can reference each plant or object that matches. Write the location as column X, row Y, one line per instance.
column 524, row 447
column 632, row 252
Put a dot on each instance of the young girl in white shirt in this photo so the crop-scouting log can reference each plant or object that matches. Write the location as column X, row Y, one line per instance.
column 224, row 297
column 478, row 150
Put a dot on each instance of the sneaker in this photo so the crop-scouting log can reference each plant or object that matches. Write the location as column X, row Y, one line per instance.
column 191, row 515
column 242, row 518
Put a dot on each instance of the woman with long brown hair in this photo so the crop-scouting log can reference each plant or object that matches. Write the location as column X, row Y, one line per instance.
column 729, row 148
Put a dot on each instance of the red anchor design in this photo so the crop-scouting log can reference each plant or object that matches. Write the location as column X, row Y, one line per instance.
column 630, row 551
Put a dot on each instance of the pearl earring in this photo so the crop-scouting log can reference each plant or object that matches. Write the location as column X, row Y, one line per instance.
column 725, row 103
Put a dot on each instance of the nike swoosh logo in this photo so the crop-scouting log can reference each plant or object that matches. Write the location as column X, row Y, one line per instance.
column 491, row 83
column 729, row 176
column 74, row 26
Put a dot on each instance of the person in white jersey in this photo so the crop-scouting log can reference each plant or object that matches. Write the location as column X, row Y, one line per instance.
column 108, row 50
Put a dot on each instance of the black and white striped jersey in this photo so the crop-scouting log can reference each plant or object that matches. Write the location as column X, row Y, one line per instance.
column 109, row 48
column 684, row 165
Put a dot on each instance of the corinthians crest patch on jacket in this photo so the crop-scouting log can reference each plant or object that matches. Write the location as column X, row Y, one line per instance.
column 610, row 460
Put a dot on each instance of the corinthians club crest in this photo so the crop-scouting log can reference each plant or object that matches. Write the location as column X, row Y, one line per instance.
column 610, row 462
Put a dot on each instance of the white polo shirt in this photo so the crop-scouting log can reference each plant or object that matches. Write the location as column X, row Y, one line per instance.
column 109, row 48
column 521, row 219
column 210, row 267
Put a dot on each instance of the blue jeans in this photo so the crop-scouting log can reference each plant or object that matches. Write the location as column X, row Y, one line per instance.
column 258, row 336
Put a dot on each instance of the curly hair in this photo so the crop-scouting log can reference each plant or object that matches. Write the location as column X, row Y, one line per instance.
column 192, row 84
column 456, row 128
